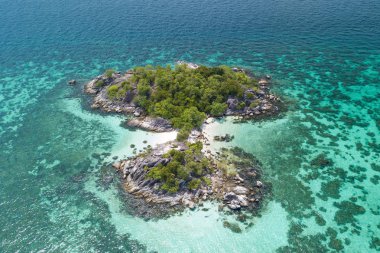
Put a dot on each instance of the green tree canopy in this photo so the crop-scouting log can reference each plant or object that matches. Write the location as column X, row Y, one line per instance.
column 183, row 95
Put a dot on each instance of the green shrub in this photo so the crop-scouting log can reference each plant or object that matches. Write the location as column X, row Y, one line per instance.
column 109, row 72
column 218, row 109
column 171, row 186
column 241, row 106
column 182, row 95
column 189, row 118
column 143, row 89
column 250, row 95
column 254, row 103
column 99, row 83
column 187, row 166
column 125, row 84
column 142, row 101
column 182, row 134
column 112, row 91
column 207, row 181
column 194, row 184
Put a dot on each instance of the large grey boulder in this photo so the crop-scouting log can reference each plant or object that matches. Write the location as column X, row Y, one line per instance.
column 240, row 190
column 229, row 196
column 151, row 124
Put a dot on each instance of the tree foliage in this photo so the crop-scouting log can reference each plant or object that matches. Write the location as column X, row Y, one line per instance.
column 217, row 109
column 109, row 72
column 188, row 167
column 184, row 95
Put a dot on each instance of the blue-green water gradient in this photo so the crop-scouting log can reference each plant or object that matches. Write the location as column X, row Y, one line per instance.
column 321, row 156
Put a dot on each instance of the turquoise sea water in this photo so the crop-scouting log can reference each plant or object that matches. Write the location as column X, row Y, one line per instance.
column 321, row 156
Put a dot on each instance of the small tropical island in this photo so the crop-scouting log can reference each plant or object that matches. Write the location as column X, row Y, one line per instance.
column 185, row 172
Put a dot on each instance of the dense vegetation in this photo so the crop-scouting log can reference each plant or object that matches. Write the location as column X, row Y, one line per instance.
column 187, row 168
column 183, row 95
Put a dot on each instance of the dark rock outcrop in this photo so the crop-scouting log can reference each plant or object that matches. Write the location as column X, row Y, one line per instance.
column 151, row 124
column 241, row 191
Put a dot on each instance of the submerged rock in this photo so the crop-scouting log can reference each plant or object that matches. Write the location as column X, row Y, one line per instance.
column 234, row 227
column 226, row 138
column 234, row 205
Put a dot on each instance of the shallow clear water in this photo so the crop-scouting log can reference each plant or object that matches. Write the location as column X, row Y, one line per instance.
column 55, row 189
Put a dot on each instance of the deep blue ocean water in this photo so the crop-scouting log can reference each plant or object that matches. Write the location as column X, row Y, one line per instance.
column 321, row 156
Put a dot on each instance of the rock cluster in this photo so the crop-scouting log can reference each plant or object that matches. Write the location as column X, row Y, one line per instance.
column 238, row 197
column 226, row 138
column 151, row 124
column 190, row 65
column 240, row 191
column 101, row 100
column 134, row 173
column 255, row 102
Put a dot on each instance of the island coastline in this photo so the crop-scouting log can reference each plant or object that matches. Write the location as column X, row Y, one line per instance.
column 238, row 190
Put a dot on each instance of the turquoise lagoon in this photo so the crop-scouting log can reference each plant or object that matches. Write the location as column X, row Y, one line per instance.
column 320, row 156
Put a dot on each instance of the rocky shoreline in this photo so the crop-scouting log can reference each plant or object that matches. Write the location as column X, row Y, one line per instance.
column 265, row 103
column 237, row 189
column 231, row 177
column 101, row 100
column 157, row 124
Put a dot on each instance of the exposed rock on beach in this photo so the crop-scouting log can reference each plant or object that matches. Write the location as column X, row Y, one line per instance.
column 147, row 123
